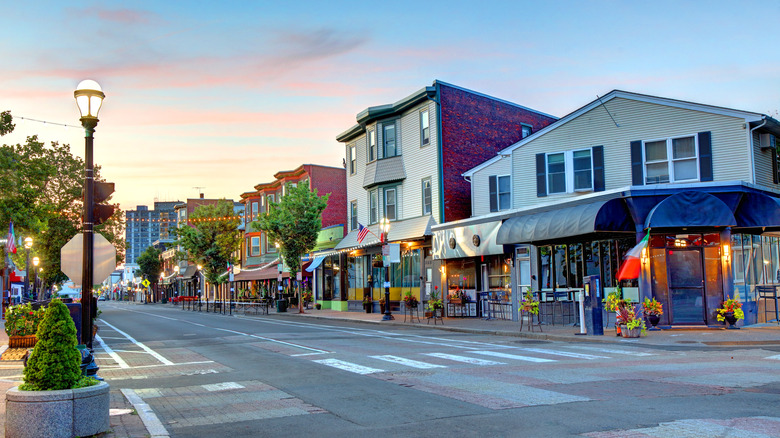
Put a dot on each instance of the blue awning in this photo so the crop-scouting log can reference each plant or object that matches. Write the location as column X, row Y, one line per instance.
column 690, row 209
column 758, row 210
column 315, row 264
column 598, row 217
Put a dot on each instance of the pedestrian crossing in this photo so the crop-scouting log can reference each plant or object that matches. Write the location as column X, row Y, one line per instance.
column 371, row 364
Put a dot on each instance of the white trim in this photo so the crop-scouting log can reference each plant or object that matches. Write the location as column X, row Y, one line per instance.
column 670, row 159
column 746, row 115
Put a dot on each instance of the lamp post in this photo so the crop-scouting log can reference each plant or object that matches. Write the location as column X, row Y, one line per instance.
column 385, row 227
column 176, row 279
column 36, row 261
column 200, row 287
column 28, row 243
column 89, row 98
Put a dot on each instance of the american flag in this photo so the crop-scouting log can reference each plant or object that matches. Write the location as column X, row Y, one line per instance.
column 362, row 232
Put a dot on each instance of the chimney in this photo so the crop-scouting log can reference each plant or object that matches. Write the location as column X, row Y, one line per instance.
column 201, row 196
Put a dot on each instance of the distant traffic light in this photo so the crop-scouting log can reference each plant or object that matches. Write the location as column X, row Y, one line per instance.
column 101, row 212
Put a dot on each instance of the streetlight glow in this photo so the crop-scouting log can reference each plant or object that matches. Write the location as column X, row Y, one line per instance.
column 36, row 261
column 89, row 98
column 28, row 242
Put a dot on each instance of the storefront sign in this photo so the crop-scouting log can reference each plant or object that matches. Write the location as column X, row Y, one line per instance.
column 467, row 241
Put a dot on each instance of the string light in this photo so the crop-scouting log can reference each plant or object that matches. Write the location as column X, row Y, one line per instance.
column 47, row 123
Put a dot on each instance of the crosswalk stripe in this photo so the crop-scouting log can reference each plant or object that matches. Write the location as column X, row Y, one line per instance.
column 565, row 353
column 464, row 359
column 774, row 357
column 513, row 356
column 348, row 366
column 408, row 362
column 609, row 350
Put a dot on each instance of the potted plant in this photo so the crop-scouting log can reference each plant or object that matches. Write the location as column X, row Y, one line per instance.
column 529, row 304
column 434, row 304
column 55, row 396
column 653, row 310
column 632, row 326
column 410, row 301
column 307, row 297
column 611, row 305
column 367, row 303
column 21, row 324
column 730, row 311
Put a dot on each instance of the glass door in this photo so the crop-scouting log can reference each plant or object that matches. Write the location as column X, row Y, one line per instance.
column 686, row 286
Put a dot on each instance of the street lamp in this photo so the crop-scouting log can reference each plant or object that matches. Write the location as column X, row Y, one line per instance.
column 384, row 225
column 89, row 98
column 28, row 243
column 202, row 280
column 36, row 261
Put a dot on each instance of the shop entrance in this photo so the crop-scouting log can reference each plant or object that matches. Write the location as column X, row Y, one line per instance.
column 686, row 286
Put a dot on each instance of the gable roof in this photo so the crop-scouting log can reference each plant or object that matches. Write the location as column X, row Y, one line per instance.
column 750, row 117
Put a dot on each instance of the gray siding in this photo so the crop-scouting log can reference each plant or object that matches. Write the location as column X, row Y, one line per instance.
column 763, row 163
column 480, row 187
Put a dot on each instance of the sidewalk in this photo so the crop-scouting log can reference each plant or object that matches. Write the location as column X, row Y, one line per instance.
column 754, row 335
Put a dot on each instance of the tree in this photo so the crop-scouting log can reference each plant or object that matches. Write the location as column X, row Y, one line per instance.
column 213, row 239
column 150, row 264
column 55, row 363
column 294, row 222
column 41, row 192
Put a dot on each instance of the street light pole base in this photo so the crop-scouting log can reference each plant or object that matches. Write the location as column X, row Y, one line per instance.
column 387, row 317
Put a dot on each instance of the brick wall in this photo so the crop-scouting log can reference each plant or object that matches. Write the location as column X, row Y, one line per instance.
column 474, row 128
column 331, row 180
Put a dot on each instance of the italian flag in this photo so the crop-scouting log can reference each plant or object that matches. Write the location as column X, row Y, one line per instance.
column 633, row 261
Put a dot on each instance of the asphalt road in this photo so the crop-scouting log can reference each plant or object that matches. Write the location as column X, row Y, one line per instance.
column 208, row 375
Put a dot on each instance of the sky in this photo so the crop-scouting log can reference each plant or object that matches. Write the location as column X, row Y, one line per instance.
column 216, row 97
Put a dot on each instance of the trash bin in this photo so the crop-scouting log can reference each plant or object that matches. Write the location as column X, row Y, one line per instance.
column 281, row 305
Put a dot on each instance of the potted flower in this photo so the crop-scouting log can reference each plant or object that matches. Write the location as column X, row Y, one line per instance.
column 367, row 303
column 611, row 302
column 55, row 396
column 653, row 310
column 307, row 297
column 21, row 324
column 730, row 311
column 410, row 301
column 626, row 316
column 434, row 304
column 529, row 304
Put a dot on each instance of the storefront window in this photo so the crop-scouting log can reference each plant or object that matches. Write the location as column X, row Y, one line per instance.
column 545, row 267
column 410, row 261
column 355, row 277
column 561, row 267
column 461, row 274
column 575, row 265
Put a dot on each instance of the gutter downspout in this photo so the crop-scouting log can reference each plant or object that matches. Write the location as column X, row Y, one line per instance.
column 440, row 154
column 751, row 149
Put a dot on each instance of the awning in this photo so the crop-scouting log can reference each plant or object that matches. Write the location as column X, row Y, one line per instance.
column 265, row 272
column 597, row 217
column 690, row 209
column 315, row 264
column 760, row 211
column 189, row 272
column 409, row 229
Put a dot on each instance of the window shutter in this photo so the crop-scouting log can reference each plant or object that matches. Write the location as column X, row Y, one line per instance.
column 775, row 176
column 493, row 182
column 598, row 168
column 541, row 175
column 637, row 167
column 705, row 156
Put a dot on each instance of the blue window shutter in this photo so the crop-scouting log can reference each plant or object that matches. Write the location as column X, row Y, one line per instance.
column 775, row 176
column 637, row 167
column 598, row 168
column 493, row 182
column 705, row 156
column 541, row 175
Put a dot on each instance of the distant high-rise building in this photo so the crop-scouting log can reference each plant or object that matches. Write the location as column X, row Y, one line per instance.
column 144, row 227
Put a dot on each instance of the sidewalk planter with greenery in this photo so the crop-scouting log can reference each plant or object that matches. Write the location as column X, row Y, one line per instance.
column 653, row 310
column 55, row 400
column 730, row 311
column 21, row 324
column 410, row 301
column 631, row 326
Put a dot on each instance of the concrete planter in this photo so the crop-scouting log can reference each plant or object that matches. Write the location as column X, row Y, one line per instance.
column 65, row 413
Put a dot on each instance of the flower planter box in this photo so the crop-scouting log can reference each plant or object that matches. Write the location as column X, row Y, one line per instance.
column 22, row 341
column 630, row 333
column 54, row 414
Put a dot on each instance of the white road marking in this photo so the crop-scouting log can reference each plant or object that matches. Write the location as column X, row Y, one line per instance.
column 348, row 366
column 307, row 354
column 121, row 362
column 564, row 353
column 408, row 362
column 224, row 386
column 609, row 350
column 152, row 423
column 464, row 359
column 774, row 357
column 513, row 356
column 153, row 353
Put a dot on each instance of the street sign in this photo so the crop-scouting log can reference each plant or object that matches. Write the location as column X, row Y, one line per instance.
column 145, row 283
column 103, row 259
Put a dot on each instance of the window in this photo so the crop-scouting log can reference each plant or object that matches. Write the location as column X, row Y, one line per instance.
column 255, row 246
column 353, row 219
column 270, row 201
column 390, row 204
column 683, row 165
column 527, row 130
column 570, row 171
column 388, row 140
column 427, row 196
column 270, row 247
column 373, row 207
column 352, row 160
column 425, row 130
column 255, row 209
column 500, row 192
column 371, row 146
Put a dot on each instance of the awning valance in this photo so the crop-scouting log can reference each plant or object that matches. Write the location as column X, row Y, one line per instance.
column 598, row 217
column 758, row 211
column 267, row 271
column 690, row 209
column 315, row 264
column 189, row 272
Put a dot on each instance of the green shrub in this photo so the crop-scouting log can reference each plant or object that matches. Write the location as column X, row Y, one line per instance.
column 55, row 363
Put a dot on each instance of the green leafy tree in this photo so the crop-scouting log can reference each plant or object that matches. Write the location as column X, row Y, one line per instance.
column 150, row 264
column 55, row 363
column 213, row 239
column 41, row 192
column 294, row 222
